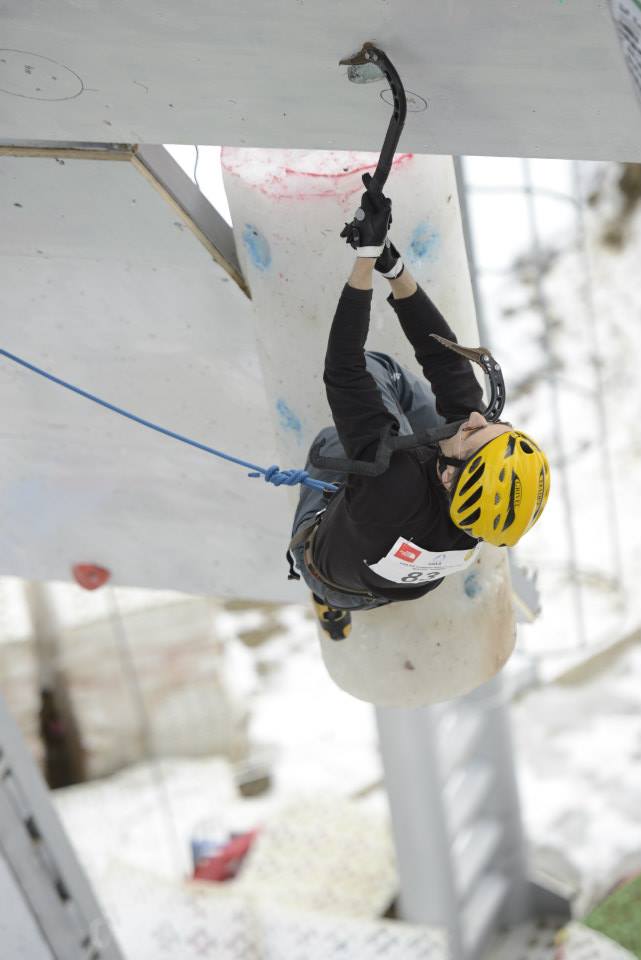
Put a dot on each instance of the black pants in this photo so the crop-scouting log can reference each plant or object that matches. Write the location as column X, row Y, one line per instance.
column 411, row 400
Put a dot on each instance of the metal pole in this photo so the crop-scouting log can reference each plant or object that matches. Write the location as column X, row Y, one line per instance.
column 466, row 222
column 541, row 301
column 604, row 427
column 597, row 393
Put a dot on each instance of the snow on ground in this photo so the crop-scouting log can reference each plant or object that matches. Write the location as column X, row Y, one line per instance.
column 578, row 750
column 318, row 741
column 318, row 850
column 578, row 760
column 327, row 739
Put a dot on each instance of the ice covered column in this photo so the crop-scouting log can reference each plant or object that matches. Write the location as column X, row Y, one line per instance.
column 288, row 208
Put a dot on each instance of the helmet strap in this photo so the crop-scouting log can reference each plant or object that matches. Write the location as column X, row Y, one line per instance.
column 453, row 461
column 425, row 444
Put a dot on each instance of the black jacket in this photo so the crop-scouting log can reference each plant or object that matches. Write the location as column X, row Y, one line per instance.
column 364, row 520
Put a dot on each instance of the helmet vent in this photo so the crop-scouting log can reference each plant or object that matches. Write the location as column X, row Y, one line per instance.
column 502, row 475
column 497, row 520
column 511, row 444
column 471, row 500
column 497, row 499
column 525, row 447
column 469, row 483
column 475, row 463
column 473, row 517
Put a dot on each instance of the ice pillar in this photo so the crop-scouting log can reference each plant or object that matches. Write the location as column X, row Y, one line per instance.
column 288, row 208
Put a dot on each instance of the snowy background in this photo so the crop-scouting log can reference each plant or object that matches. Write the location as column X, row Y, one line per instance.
column 243, row 686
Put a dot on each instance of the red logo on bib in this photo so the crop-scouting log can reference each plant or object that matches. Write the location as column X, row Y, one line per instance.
column 407, row 552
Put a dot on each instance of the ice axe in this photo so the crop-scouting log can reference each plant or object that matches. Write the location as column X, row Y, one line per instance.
column 490, row 368
column 367, row 65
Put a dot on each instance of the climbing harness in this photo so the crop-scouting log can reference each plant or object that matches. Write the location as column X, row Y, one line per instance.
column 426, row 442
column 306, row 536
column 302, row 536
column 272, row 474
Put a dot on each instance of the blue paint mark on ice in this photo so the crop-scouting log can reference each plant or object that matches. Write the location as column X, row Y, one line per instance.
column 424, row 243
column 257, row 247
column 472, row 585
column 288, row 419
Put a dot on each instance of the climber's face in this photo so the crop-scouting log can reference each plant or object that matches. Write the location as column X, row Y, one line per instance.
column 473, row 434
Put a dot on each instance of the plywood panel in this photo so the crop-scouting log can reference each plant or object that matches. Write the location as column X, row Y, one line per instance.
column 103, row 285
column 498, row 78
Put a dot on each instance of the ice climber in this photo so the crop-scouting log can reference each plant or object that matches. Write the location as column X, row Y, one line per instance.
column 392, row 537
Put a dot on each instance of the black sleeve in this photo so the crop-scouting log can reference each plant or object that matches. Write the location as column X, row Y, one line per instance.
column 451, row 376
column 357, row 407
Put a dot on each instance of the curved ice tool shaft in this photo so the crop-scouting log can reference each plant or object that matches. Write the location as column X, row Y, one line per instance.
column 371, row 54
column 426, row 442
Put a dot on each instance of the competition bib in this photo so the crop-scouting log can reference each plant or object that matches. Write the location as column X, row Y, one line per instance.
column 408, row 563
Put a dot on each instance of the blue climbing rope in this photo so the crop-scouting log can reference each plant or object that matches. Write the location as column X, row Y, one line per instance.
column 272, row 474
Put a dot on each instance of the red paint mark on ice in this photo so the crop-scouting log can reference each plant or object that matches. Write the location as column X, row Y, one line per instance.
column 302, row 174
column 398, row 160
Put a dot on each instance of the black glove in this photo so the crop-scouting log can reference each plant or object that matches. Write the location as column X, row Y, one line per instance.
column 390, row 263
column 368, row 230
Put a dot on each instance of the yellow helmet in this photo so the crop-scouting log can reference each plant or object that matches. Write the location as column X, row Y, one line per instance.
column 502, row 489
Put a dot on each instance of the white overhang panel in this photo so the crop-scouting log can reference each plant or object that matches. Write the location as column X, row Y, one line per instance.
column 103, row 284
column 492, row 77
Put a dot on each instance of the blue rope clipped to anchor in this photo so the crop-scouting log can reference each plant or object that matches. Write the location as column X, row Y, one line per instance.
column 272, row 474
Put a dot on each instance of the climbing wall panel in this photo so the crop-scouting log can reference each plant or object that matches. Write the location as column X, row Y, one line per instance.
column 103, row 284
column 495, row 78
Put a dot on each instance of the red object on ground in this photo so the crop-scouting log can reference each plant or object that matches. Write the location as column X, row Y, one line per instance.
column 89, row 575
column 225, row 864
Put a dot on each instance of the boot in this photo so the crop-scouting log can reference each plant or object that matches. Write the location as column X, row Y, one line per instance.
column 336, row 623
